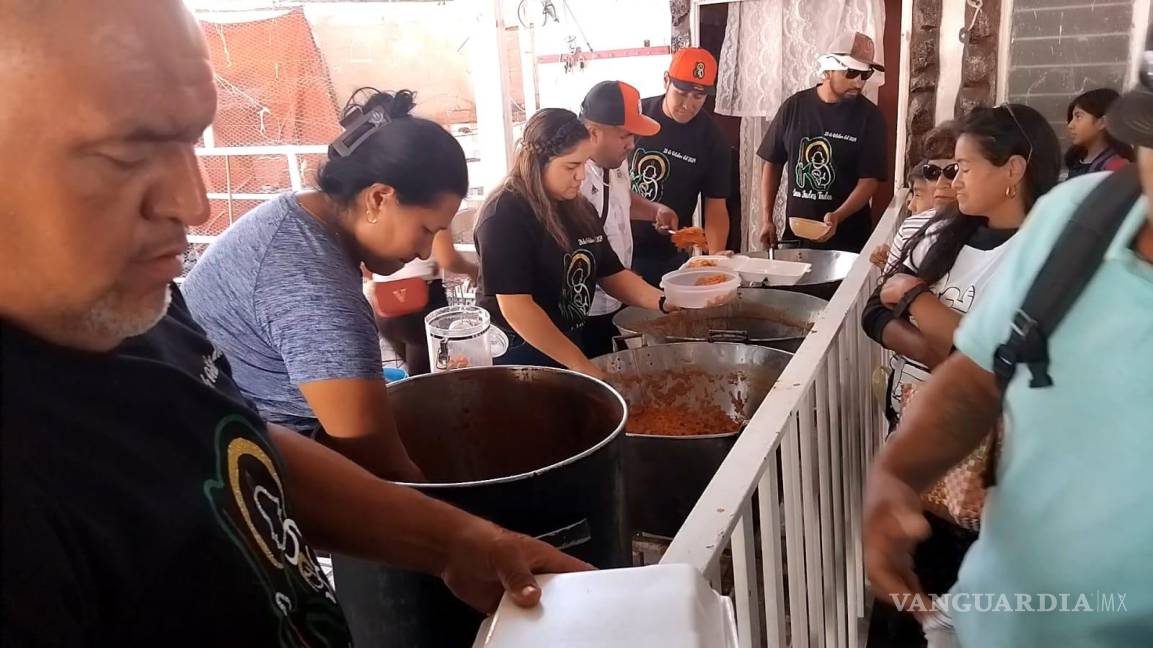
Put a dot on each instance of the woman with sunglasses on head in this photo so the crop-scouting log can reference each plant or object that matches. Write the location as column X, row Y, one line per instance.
column 1093, row 148
column 543, row 251
column 1006, row 158
column 280, row 292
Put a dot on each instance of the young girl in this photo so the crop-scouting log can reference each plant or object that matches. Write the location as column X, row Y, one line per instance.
column 543, row 251
column 1093, row 148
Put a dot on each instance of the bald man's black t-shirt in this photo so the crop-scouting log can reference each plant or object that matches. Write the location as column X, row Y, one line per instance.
column 144, row 504
column 675, row 167
column 825, row 149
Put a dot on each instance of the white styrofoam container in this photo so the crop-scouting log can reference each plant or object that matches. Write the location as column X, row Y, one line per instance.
column 660, row 606
column 720, row 262
column 681, row 289
column 777, row 272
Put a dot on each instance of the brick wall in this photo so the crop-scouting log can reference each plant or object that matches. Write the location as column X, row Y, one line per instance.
column 1061, row 48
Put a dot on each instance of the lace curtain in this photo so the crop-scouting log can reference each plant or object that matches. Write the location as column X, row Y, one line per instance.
column 770, row 52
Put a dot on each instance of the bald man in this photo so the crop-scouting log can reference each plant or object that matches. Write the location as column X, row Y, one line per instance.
column 144, row 501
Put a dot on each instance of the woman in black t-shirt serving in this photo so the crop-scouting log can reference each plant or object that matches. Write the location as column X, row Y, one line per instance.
column 543, row 251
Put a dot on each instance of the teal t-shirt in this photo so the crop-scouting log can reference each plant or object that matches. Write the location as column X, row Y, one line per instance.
column 1072, row 512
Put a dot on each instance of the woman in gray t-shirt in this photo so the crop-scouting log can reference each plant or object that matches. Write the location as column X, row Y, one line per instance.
column 280, row 291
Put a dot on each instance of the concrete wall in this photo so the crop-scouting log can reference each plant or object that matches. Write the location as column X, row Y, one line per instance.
column 1061, row 48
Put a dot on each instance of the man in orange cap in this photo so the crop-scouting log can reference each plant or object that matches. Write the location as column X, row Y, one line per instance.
column 832, row 141
column 689, row 159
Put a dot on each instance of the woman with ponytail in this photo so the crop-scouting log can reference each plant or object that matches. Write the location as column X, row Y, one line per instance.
column 543, row 251
column 280, row 292
column 1006, row 158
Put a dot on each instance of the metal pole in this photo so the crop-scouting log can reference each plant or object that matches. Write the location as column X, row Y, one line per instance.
column 490, row 87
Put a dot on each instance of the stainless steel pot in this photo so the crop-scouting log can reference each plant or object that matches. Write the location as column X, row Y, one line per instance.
column 535, row 450
column 828, row 269
column 760, row 316
column 665, row 475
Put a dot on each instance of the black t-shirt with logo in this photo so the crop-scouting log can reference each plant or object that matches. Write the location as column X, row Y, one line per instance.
column 144, row 504
column 826, row 148
column 519, row 257
column 674, row 167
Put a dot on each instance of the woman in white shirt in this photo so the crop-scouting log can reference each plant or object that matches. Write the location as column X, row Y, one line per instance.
column 1006, row 158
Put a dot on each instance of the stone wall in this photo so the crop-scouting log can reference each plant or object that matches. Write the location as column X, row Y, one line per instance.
column 924, row 71
column 979, row 71
column 682, row 34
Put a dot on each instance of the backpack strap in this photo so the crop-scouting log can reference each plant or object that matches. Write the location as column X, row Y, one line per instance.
column 1067, row 270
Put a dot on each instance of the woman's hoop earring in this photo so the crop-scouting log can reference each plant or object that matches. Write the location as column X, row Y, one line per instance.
column 1011, row 191
column 371, row 219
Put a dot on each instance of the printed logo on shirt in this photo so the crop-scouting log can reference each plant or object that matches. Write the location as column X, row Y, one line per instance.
column 211, row 371
column 955, row 298
column 248, row 499
column 576, row 297
column 815, row 170
column 650, row 168
column 680, row 156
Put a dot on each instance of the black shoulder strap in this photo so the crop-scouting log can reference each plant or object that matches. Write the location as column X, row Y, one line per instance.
column 1067, row 270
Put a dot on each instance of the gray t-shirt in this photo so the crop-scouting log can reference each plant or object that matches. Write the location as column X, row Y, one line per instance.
column 282, row 298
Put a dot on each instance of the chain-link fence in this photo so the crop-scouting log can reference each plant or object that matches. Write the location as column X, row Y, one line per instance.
column 283, row 73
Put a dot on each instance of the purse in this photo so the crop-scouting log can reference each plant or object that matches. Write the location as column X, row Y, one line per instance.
column 400, row 296
column 959, row 496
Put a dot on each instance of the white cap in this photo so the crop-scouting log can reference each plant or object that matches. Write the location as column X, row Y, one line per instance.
column 851, row 51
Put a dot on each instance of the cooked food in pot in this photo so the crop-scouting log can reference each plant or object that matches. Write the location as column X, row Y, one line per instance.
column 683, row 402
column 679, row 420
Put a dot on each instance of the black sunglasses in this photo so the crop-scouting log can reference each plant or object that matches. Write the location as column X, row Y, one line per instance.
column 864, row 74
column 932, row 172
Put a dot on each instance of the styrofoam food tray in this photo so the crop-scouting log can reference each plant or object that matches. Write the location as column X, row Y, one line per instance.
column 660, row 606
column 681, row 289
column 776, row 272
column 722, row 262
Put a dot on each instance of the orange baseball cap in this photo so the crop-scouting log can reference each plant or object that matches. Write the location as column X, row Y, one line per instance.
column 616, row 103
column 694, row 70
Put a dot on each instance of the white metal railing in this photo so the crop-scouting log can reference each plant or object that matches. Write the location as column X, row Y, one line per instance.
column 799, row 466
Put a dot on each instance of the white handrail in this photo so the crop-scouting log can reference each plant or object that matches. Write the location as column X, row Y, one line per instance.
column 715, row 515
column 813, row 436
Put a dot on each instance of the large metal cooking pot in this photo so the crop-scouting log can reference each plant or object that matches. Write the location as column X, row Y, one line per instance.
column 828, row 269
column 666, row 475
column 772, row 318
column 535, row 450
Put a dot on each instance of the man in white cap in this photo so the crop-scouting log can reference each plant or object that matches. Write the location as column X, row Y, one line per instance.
column 832, row 140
